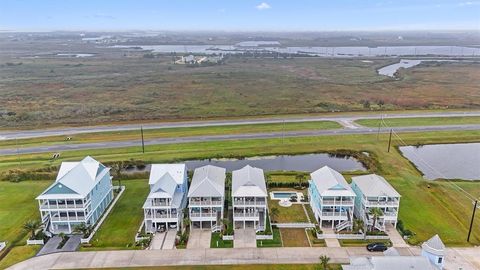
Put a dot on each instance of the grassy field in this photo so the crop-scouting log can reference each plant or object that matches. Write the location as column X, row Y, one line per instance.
column 360, row 243
column 275, row 242
column 18, row 205
column 103, row 90
column 217, row 239
column 170, row 133
column 421, row 121
column 18, row 254
column 294, row 238
column 119, row 228
column 426, row 207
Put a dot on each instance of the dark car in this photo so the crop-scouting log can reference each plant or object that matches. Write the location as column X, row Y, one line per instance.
column 377, row 247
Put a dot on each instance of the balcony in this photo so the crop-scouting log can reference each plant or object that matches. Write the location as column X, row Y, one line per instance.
column 240, row 202
column 334, row 214
column 244, row 214
column 336, row 202
column 45, row 206
column 212, row 214
column 205, row 202
column 67, row 218
column 381, row 203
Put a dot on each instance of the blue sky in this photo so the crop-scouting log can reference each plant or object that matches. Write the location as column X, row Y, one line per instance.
column 234, row 15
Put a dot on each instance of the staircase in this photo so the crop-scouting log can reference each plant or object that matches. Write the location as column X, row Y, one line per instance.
column 343, row 225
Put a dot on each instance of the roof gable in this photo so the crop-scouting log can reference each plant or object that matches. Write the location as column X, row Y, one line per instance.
column 59, row 188
column 248, row 181
column 165, row 186
column 176, row 171
column 328, row 181
column 208, row 181
column 373, row 185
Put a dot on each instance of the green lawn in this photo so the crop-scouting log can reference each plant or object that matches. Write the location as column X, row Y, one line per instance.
column 217, row 239
column 422, row 121
column 18, row 254
column 360, row 243
column 294, row 238
column 170, row 132
column 119, row 229
column 18, row 205
column 275, row 242
column 426, row 207
column 294, row 213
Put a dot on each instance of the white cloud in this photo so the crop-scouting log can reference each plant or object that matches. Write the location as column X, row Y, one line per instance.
column 263, row 6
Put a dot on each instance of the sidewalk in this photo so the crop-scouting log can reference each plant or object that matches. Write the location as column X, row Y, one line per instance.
column 456, row 257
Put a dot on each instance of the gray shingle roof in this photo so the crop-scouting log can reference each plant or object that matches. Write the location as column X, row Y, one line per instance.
column 248, row 181
column 208, row 181
column 434, row 245
column 331, row 183
column 373, row 185
column 80, row 177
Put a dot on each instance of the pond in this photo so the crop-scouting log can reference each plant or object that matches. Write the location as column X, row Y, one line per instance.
column 305, row 163
column 447, row 161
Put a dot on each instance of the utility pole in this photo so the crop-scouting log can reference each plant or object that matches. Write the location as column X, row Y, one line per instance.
column 283, row 132
column 471, row 221
column 143, row 142
column 389, row 141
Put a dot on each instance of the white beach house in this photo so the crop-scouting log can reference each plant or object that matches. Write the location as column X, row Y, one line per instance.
column 164, row 206
column 206, row 197
column 373, row 191
column 249, row 198
column 80, row 194
column 331, row 198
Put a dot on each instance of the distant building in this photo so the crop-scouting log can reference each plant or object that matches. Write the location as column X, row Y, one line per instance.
column 80, row 194
column 373, row 191
column 331, row 198
column 249, row 197
column 206, row 197
column 164, row 206
column 432, row 258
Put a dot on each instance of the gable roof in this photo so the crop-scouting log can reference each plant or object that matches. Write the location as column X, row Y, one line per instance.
column 75, row 178
column 331, row 183
column 208, row 181
column 248, row 181
column 373, row 185
column 176, row 171
column 434, row 245
column 164, row 187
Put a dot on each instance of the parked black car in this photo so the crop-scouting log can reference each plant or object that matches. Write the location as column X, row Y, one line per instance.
column 376, row 247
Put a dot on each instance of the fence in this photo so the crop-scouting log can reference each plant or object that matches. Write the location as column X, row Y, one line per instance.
column 87, row 240
column 351, row 236
column 35, row 242
column 227, row 237
column 264, row 237
column 294, row 225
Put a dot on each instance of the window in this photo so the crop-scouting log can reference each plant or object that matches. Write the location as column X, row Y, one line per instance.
column 440, row 259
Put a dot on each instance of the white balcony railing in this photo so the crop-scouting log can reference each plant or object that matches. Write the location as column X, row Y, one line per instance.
column 203, row 214
column 334, row 214
column 68, row 218
column 242, row 214
column 381, row 203
column 205, row 202
column 249, row 203
column 337, row 202
column 61, row 206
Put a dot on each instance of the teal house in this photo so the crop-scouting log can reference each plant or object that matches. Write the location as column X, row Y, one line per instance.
column 80, row 194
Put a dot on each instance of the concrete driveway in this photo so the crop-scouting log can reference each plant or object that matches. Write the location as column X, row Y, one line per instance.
column 51, row 246
column 157, row 240
column 199, row 239
column 395, row 237
column 169, row 242
column 245, row 238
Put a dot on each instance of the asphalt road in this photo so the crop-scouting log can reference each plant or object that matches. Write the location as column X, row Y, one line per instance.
column 346, row 121
column 118, row 144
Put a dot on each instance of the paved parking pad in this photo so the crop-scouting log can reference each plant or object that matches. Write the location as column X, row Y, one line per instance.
column 245, row 238
column 169, row 242
column 199, row 239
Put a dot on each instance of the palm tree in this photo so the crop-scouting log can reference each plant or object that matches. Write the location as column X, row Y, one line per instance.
column 300, row 178
column 274, row 213
column 358, row 224
column 268, row 180
column 32, row 226
column 324, row 259
column 83, row 228
column 226, row 223
column 376, row 213
column 117, row 169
